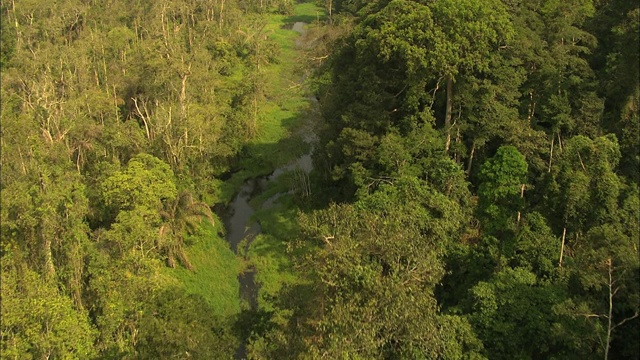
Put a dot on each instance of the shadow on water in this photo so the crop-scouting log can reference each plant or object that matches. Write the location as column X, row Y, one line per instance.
column 242, row 230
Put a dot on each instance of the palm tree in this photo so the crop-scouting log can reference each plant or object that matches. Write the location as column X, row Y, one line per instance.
column 180, row 218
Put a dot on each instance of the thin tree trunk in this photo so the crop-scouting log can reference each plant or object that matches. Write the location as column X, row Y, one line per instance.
column 473, row 150
column 447, row 117
column 165, row 34
column 221, row 19
column 15, row 21
column 45, row 239
column 78, row 158
column 116, row 112
column 609, row 319
column 143, row 118
column 551, row 153
column 521, row 196
column 564, row 235
column 183, row 93
column 532, row 107
column 48, row 258
column 560, row 142
column 458, row 138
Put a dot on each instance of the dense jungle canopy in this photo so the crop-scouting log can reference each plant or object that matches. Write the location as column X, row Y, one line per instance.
column 475, row 191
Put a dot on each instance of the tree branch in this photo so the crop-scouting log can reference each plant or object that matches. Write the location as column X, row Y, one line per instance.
column 625, row 320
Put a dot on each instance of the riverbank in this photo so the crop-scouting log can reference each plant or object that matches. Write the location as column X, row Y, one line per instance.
column 282, row 121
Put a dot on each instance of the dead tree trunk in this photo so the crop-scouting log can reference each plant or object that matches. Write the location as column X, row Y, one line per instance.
column 221, row 18
column 447, row 117
column 521, row 196
column 564, row 235
column 551, row 153
column 473, row 150
column 609, row 317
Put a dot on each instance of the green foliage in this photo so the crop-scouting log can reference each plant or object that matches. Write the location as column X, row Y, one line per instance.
column 501, row 181
column 38, row 321
column 7, row 37
column 512, row 315
column 373, row 281
column 146, row 182
column 529, row 253
column 175, row 324
column 536, row 249
column 181, row 217
column 214, row 277
column 586, row 187
column 373, row 277
column 530, row 82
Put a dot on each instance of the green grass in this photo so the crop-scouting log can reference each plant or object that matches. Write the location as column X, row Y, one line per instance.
column 270, row 251
column 277, row 142
column 307, row 12
column 215, row 274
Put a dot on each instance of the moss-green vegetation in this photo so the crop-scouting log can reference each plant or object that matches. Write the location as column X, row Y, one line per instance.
column 119, row 121
column 475, row 191
column 283, row 123
column 270, row 252
column 215, row 270
column 478, row 190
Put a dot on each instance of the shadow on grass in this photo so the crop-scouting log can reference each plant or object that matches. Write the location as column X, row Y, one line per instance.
column 306, row 11
column 280, row 141
column 308, row 19
column 260, row 160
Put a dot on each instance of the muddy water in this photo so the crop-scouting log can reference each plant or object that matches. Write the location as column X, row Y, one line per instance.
column 240, row 213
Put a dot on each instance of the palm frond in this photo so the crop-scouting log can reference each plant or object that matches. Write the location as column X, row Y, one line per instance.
column 182, row 216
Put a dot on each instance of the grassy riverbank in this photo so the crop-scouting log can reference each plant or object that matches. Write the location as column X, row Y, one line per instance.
column 215, row 270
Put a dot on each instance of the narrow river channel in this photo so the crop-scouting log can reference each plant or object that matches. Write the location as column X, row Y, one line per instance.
column 237, row 217
column 240, row 225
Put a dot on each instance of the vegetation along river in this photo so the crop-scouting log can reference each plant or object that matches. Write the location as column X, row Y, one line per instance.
column 238, row 216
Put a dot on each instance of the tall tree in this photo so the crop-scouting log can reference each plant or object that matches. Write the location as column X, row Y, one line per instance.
column 39, row 322
column 502, row 182
column 372, row 281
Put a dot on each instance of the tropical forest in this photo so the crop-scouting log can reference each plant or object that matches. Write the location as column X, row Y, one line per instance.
column 320, row 179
